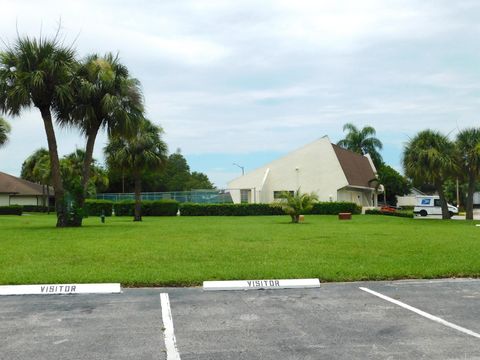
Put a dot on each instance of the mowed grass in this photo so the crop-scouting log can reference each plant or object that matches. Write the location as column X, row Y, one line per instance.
column 189, row 250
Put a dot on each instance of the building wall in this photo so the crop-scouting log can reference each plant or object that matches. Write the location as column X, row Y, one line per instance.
column 359, row 197
column 25, row 200
column 312, row 168
column 4, row 199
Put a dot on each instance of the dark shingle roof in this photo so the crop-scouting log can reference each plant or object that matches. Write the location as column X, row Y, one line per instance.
column 356, row 167
column 12, row 185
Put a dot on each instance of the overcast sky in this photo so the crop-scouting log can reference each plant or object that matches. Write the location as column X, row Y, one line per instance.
column 247, row 81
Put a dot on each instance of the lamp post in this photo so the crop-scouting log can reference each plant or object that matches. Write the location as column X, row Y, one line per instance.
column 241, row 167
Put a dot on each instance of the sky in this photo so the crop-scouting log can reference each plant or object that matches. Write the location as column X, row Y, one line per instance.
column 248, row 81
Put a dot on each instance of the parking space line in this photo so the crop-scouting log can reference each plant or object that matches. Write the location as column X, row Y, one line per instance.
column 422, row 313
column 170, row 341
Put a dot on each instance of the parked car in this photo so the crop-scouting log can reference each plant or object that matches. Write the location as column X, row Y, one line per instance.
column 430, row 205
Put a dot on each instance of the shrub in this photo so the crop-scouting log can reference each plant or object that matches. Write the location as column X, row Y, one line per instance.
column 94, row 207
column 149, row 208
column 37, row 208
column 11, row 210
column 334, row 208
column 406, row 214
column 160, row 208
column 188, row 209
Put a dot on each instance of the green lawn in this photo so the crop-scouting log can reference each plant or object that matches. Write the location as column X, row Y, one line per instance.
column 188, row 250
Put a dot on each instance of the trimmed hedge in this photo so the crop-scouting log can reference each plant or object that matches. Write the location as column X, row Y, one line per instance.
column 11, row 210
column 149, row 208
column 323, row 208
column 189, row 209
column 37, row 208
column 95, row 207
column 334, row 208
column 404, row 214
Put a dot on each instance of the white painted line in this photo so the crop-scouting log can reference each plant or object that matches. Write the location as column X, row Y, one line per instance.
column 170, row 341
column 261, row 284
column 60, row 289
column 422, row 313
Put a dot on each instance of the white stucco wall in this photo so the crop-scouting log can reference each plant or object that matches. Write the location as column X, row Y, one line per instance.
column 25, row 200
column 312, row 168
column 4, row 199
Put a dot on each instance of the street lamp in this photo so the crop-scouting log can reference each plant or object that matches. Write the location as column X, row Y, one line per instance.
column 241, row 167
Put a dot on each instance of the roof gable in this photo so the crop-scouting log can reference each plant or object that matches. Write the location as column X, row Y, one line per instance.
column 357, row 168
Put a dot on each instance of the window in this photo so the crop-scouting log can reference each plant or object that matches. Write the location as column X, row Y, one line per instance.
column 244, row 196
column 436, row 202
column 278, row 194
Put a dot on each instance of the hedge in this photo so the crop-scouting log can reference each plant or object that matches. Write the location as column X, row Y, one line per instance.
column 11, row 210
column 188, row 209
column 37, row 208
column 404, row 214
column 149, row 208
column 95, row 207
column 326, row 208
column 334, row 208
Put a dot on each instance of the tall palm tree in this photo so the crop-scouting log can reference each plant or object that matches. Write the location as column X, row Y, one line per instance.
column 144, row 151
column 430, row 157
column 4, row 131
column 362, row 142
column 39, row 73
column 106, row 97
column 468, row 145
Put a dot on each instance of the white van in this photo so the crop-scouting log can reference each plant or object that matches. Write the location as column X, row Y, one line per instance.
column 430, row 205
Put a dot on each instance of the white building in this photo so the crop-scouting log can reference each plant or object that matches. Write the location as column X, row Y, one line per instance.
column 16, row 191
column 335, row 174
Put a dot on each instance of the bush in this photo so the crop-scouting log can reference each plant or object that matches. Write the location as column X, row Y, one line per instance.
column 37, row 208
column 149, row 208
column 94, row 207
column 334, row 208
column 11, row 210
column 188, row 209
column 405, row 214
column 160, row 208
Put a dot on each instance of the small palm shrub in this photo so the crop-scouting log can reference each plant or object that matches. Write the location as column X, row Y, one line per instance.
column 297, row 203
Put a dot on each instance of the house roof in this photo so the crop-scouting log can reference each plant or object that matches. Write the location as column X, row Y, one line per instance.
column 357, row 168
column 15, row 186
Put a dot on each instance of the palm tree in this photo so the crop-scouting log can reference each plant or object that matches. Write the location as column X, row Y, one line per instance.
column 36, row 168
column 144, row 151
column 297, row 203
column 39, row 73
column 4, row 131
column 362, row 142
column 468, row 145
column 105, row 97
column 430, row 158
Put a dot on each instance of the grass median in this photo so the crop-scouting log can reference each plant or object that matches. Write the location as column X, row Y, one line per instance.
column 176, row 251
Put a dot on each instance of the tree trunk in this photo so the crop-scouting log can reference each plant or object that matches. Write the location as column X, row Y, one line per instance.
column 471, row 191
column 443, row 201
column 138, row 203
column 43, row 197
column 48, row 199
column 60, row 206
column 87, row 162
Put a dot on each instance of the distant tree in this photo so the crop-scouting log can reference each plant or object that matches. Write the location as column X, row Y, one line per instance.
column 144, row 151
column 105, row 97
column 199, row 180
column 430, row 157
column 176, row 174
column 4, row 131
column 297, row 204
column 36, row 168
column 362, row 142
column 39, row 73
column 395, row 184
column 468, row 146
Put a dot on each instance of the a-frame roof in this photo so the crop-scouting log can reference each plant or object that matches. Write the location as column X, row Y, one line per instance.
column 356, row 167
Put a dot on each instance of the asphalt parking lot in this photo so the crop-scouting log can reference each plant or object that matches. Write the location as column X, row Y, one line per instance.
column 385, row 320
